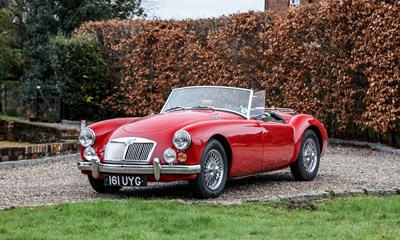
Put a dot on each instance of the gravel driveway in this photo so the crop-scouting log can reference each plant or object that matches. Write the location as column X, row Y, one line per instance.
column 342, row 168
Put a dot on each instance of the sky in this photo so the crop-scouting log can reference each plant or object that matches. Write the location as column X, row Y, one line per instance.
column 194, row 9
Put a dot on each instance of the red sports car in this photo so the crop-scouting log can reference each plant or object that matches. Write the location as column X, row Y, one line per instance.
column 205, row 135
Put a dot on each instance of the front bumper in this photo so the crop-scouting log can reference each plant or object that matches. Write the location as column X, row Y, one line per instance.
column 96, row 167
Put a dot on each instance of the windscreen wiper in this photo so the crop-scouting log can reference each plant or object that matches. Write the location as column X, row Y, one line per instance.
column 175, row 108
column 201, row 107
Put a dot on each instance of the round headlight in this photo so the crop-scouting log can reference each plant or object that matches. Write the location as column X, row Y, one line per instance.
column 169, row 155
column 89, row 153
column 87, row 137
column 182, row 140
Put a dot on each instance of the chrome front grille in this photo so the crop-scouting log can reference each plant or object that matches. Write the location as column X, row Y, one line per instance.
column 134, row 150
column 138, row 151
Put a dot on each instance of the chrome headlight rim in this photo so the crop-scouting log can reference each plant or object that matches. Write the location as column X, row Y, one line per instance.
column 83, row 138
column 182, row 140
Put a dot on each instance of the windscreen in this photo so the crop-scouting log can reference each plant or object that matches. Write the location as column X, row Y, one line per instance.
column 231, row 99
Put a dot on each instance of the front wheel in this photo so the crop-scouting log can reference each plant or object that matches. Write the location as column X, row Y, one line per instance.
column 98, row 186
column 210, row 182
column 306, row 166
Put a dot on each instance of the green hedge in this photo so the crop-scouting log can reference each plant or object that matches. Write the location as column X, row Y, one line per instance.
column 81, row 75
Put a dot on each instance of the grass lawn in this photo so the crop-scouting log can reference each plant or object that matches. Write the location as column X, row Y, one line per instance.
column 343, row 218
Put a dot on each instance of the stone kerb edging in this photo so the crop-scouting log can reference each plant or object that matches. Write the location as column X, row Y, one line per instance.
column 334, row 193
column 377, row 146
column 306, row 197
column 34, row 162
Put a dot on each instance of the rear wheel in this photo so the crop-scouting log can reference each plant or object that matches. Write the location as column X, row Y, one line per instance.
column 210, row 182
column 98, row 186
column 306, row 166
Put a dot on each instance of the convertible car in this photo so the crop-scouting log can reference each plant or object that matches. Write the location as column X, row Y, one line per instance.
column 204, row 135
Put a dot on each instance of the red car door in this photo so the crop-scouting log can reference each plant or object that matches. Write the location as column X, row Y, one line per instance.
column 278, row 144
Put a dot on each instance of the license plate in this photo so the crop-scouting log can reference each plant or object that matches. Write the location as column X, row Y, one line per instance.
column 125, row 181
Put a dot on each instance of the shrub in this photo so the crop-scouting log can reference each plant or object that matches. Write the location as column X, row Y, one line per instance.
column 80, row 73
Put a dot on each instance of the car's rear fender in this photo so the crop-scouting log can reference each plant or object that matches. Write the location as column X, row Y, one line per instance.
column 301, row 123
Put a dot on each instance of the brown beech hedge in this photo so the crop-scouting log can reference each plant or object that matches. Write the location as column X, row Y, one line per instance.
column 337, row 60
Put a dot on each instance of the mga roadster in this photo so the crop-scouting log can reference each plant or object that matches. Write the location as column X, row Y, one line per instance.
column 204, row 135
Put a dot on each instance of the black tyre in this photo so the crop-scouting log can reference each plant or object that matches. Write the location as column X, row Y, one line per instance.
column 98, row 186
column 210, row 182
column 306, row 166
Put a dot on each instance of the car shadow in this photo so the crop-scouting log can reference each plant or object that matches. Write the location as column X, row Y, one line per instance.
column 182, row 190
column 265, row 178
column 174, row 190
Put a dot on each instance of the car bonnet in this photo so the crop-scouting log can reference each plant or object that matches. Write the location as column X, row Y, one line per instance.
column 161, row 122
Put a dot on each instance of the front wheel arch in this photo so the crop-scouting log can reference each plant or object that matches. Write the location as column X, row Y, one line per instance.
column 319, row 136
column 227, row 147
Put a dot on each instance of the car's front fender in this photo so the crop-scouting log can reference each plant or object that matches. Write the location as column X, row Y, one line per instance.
column 103, row 130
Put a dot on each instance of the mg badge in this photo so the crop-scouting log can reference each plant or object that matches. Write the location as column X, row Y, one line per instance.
column 130, row 141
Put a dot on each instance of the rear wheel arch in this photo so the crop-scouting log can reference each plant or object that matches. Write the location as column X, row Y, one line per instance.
column 318, row 134
column 227, row 148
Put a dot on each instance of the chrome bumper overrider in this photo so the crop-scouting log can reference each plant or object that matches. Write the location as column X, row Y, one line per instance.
column 157, row 169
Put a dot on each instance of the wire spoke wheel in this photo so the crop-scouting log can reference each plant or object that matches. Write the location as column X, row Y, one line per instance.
column 210, row 181
column 306, row 166
column 213, row 169
column 310, row 155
